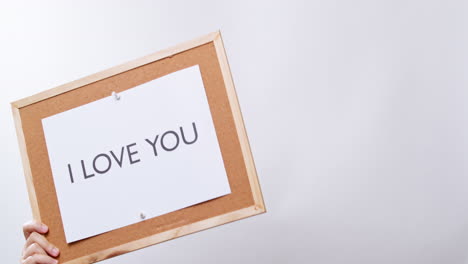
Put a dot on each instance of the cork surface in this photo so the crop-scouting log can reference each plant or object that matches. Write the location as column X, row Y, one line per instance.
column 31, row 115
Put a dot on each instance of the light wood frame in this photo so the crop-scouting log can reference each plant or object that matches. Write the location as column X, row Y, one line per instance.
column 255, row 209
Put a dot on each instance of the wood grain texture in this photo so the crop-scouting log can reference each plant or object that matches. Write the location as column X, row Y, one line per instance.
column 245, row 199
column 114, row 70
column 238, row 120
column 25, row 160
column 168, row 235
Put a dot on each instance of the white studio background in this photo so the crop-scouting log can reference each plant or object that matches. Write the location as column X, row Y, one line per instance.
column 356, row 112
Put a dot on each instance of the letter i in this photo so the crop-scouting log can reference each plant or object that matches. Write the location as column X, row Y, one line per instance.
column 70, row 172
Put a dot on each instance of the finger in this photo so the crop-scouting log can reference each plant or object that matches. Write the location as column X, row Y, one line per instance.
column 34, row 226
column 43, row 243
column 34, row 248
column 40, row 259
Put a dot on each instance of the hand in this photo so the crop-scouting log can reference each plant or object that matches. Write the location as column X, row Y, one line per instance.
column 37, row 250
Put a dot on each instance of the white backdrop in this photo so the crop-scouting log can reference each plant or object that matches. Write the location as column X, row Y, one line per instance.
column 355, row 111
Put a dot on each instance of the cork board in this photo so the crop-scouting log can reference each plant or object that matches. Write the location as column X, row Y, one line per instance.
column 245, row 199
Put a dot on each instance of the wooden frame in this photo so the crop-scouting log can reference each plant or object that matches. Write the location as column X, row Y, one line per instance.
column 25, row 120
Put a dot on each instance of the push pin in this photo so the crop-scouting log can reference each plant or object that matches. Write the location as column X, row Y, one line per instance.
column 142, row 216
column 116, row 96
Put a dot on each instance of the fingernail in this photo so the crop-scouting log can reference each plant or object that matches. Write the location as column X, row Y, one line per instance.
column 55, row 251
column 44, row 228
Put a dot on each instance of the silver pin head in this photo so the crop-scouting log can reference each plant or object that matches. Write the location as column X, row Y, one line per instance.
column 116, row 96
column 142, row 216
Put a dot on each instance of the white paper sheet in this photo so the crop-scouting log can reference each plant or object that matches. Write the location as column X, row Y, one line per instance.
column 182, row 175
